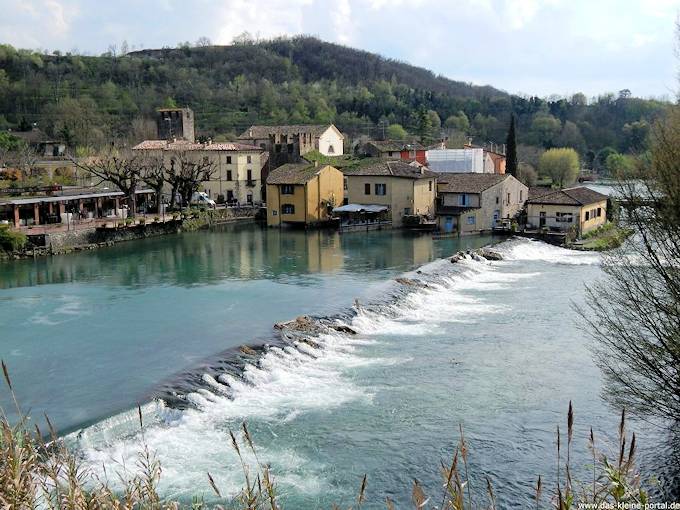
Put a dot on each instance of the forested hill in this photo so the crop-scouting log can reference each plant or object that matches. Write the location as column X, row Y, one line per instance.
column 91, row 100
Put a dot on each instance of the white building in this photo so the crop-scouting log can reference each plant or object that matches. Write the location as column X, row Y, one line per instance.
column 471, row 160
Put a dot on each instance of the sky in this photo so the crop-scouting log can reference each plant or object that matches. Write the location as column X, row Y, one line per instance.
column 532, row 47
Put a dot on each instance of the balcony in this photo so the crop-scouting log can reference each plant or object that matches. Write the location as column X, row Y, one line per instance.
column 251, row 183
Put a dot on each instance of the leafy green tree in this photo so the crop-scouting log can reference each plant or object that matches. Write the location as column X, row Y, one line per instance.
column 561, row 165
column 459, row 122
column 618, row 165
column 571, row 136
column 396, row 132
column 601, row 158
column 424, row 126
column 511, row 149
column 544, row 129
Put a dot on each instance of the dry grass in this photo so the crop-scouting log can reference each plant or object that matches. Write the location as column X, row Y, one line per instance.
column 39, row 473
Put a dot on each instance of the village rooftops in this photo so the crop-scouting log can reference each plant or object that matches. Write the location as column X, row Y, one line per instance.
column 570, row 196
column 294, row 173
column 183, row 145
column 468, row 183
column 261, row 132
column 392, row 169
column 395, row 146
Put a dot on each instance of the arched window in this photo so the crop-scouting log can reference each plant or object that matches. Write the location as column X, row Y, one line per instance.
column 331, row 150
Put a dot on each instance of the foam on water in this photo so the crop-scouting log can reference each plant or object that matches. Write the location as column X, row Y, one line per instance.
column 287, row 382
column 523, row 249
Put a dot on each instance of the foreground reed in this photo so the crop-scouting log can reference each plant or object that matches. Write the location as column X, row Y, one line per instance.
column 39, row 473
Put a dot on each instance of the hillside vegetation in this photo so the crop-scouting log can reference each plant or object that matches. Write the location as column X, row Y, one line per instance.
column 90, row 100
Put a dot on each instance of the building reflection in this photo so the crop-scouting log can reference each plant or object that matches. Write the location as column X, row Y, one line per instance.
column 237, row 252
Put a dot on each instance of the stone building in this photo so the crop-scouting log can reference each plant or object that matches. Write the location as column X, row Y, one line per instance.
column 175, row 124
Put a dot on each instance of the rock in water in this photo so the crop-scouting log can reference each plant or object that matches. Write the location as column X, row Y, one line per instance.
column 490, row 255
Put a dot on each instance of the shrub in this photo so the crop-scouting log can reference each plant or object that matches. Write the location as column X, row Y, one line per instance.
column 12, row 240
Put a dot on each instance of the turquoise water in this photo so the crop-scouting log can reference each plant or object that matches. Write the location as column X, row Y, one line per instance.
column 492, row 346
column 90, row 334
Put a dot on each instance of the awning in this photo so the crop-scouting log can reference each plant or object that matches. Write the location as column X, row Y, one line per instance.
column 356, row 208
column 68, row 198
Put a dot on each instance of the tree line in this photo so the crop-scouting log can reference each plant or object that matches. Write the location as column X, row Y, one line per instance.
column 90, row 101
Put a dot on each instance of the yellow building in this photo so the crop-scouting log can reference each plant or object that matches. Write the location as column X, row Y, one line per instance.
column 561, row 210
column 303, row 194
column 237, row 167
column 407, row 189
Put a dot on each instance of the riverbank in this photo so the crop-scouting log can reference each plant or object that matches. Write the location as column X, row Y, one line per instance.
column 604, row 238
column 86, row 238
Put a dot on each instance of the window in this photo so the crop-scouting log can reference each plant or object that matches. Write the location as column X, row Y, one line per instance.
column 287, row 189
column 331, row 150
column 587, row 215
column 287, row 209
column 463, row 200
column 563, row 217
column 249, row 159
column 229, row 175
column 249, row 198
column 599, row 212
column 367, row 189
column 521, row 192
column 498, row 199
column 290, row 148
column 471, row 220
column 229, row 161
column 275, row 212
column 344, row 183
column 407, row 211
column 381, row 189
column 250, row 175
column 430, row 185
column 508, row 198
column 390, row 153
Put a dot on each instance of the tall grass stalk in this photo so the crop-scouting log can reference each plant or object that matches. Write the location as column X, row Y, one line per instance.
column 38, row 471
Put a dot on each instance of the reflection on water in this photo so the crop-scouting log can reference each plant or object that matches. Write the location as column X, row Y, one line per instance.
column 229, row 252
column 90, row 333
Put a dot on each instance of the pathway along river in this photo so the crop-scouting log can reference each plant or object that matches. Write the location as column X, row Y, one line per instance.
column 492, row 346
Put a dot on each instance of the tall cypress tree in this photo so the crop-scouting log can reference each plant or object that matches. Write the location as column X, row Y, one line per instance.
column 511, row 149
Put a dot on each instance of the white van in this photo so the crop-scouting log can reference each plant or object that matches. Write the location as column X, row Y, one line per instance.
column 202, row 198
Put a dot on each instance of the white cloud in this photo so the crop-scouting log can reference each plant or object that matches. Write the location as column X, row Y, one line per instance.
column 264, row 18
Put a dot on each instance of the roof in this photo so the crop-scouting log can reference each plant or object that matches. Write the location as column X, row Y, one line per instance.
column 349, row 208
column 468, row 183
column 294, row 173
column 538, row 191
column 67, row 196
column 259, row 131
column 392, row 169
column 183, row 145
column 33, row 136
column 570, row 196
column 394, row 145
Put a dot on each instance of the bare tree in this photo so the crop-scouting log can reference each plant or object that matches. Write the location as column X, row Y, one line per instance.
column 193, row 170
column 634, row 313
column 123, row 170
column 153, row 173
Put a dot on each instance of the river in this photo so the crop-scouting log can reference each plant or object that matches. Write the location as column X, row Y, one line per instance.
column 494, row 347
